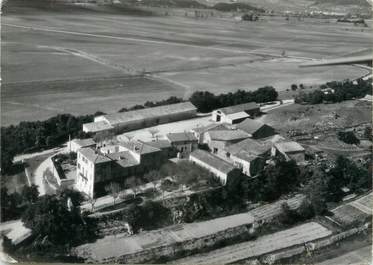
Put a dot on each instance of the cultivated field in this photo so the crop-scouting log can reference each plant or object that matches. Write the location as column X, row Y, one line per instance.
column 80, row 61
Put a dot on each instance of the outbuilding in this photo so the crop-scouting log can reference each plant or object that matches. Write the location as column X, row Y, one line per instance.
column 237, row 113
column 220, row 168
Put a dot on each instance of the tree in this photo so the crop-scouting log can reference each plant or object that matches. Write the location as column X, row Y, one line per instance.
column 265, row 94
column 113, row 189
column 348, row 137
column 294, row 87
column 103, row 136
column 49, row 217
column 30, row 193
column 368, row 133
column 153, row 176
column 316, row 193
column 133, row 183
column 153, row 132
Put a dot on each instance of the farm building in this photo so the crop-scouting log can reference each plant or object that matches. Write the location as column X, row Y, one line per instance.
column 200, row 132
column 142, row 118
column 98, row 167
column 76, row 144
column 249, row 155
column 184, row 143
column 219, row 167
column 236, row 114
column 256, row 129
column 290, row 151
column 219, row 140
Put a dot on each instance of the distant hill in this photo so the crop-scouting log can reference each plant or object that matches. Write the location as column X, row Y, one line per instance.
column 345, row 6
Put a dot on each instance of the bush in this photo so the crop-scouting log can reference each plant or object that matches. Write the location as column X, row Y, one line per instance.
column 348, row 137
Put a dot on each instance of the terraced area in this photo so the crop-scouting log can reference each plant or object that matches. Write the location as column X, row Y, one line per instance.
column 262, row 245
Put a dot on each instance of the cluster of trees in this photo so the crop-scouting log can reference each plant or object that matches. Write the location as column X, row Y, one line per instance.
column 345, row 173
column 275, row 180
column 150, row 215
column 54, row 220
column 32, row 136
column 344, row 90
column 150, row 104
column 13, row 204
column 206, row 101
column 348, row 137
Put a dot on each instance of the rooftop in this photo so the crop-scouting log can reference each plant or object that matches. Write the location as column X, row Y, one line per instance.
column 250, row 125
column 238, row 115
column 160, row 144
column 93, row 155
column 212, row 160
column 103, row 248
column 124, row 159
column 239, row 108
column 181, row 137
column 289, row 147
column 140, row 147
column 228, row 135
column 141, row 114
column 250, row 147
column 97, row 126
column 215, row 127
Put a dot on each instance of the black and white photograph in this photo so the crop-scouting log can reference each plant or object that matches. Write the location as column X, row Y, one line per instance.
column 186, row 132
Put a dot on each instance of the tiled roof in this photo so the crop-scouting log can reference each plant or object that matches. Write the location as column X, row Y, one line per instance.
column 249, row 146
column 239, row 108
column 124, row 159
column 139, row 147
column 97, row 126
column 142, row 114
column 181, row 137
column 214, row 126
column 238, row 115
column 93, row 155
column 289, row 147
column 212, row 160
column 161, row 144
column 228, row 135
column 250, row 125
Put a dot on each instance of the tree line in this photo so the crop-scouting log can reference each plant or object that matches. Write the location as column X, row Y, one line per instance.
column 206, row 101
column 344, row 90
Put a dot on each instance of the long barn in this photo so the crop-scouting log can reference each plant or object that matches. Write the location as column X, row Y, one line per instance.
column 137, row 119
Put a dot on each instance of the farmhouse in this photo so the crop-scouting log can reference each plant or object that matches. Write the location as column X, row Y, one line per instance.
column 184, row 143
column 200, row 132
column 219, row 140
column 256, row 129
column 98, row 167
column 249, row 155
column 220, row 168
column 76, row 144
column 137, row 119
column 290, row 151
column 236, row 114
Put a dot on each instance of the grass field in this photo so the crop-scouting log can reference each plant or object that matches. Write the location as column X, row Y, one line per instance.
column 79, row 61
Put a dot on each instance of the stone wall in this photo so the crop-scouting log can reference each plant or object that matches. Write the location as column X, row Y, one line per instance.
column 179, row 249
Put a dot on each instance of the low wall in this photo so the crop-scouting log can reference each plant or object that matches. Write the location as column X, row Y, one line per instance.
column 58, row 174
column 188, row 247
column 279, row 255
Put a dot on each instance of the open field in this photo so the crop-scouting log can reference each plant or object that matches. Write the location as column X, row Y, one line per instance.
column 320, row 116
column 80, row 61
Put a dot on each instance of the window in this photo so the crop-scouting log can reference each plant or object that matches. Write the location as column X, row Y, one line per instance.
column 78, row 166
column 215, row 150
column 228, row 154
